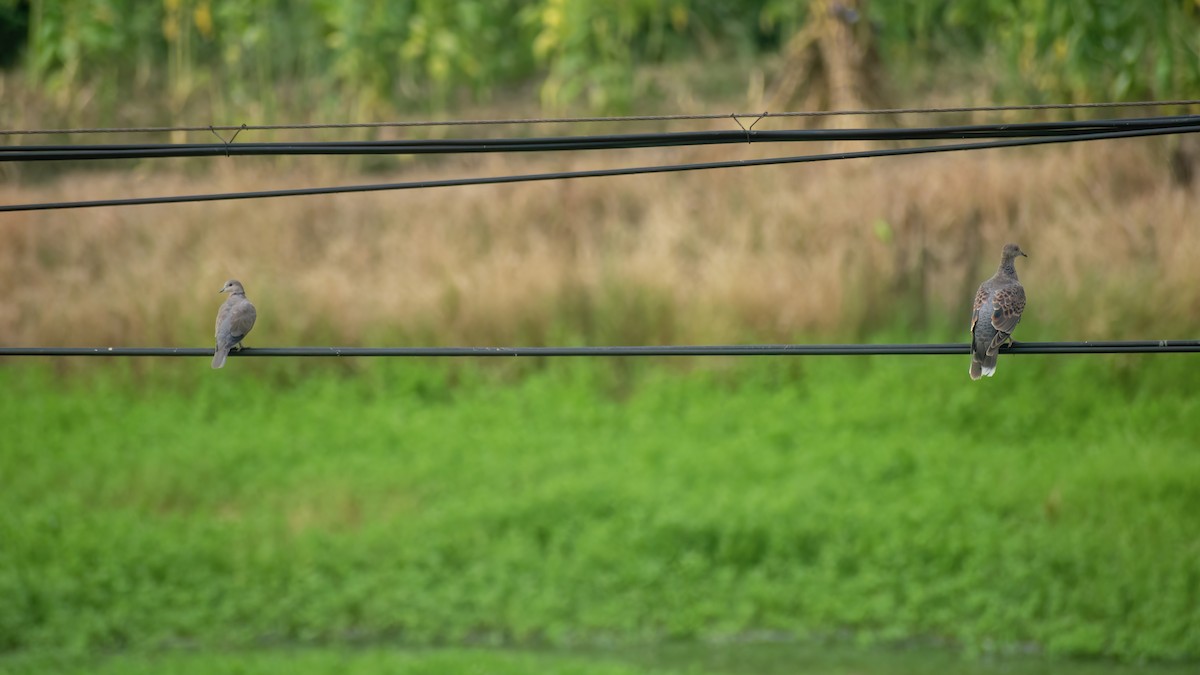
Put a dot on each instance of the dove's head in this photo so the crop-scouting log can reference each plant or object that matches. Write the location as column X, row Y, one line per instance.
column 1011, row 251
column 233, row 287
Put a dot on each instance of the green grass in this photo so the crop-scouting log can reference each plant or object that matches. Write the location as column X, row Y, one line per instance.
column 883, row 499
column 759, row 658
column 334, row 661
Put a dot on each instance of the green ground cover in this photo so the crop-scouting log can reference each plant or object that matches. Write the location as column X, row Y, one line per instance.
column 883, row 499
column 759, row 658
column 331, row 661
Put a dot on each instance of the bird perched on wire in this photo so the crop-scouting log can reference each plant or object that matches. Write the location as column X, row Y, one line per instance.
column 234, row 319
column 997, row 311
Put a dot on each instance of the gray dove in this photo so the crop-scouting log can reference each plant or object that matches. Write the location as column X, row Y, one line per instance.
column 997, row 311
column 234, row 320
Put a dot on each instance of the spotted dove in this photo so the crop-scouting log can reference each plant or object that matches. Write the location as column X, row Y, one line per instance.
column 997, row 311
column 234, row 320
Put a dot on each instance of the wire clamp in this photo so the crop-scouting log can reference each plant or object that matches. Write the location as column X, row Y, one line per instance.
column 231, row 138
column 746, row 129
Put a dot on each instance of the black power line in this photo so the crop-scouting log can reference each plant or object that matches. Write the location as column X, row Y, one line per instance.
column 19, row 153
column 627, row 118
column 596, row 173
column 1100, row 347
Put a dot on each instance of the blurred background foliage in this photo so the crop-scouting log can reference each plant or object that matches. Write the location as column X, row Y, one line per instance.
column 376, row 56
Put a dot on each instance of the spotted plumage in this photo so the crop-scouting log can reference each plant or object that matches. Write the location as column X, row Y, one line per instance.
column 996, row 312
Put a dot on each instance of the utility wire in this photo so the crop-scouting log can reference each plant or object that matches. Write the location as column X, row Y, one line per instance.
column 593, row 142
column 595, row 173
column 1102, row 347
column 628, row 118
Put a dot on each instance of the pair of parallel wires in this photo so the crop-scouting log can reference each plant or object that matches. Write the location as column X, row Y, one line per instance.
column 933, row 140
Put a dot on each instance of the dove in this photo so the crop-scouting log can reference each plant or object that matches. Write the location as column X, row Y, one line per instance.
column 997, row 311
column 234, row 319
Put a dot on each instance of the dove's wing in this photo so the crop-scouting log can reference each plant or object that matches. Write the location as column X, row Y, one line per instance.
column 241, row 318
column 1009, row 302
column 980, row 298
column 221, row 314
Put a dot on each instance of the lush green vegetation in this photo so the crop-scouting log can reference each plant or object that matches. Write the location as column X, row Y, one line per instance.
column 240, row 58
column 1079, row 50
column 333, row 661
column 759, row 658
column 882, row 498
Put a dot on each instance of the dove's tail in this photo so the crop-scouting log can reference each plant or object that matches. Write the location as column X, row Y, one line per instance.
column 982, row 364
column 219, row 358
column 981, row 368
column 988, row 364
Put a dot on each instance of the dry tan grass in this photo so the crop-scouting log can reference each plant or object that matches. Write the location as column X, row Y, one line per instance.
column 831, row 249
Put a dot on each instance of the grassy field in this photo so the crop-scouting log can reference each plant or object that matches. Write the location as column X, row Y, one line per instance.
column 765, row 658
column 318, row 661
column 571, row 503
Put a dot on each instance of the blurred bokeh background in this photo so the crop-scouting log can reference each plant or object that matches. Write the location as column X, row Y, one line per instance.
column 827, row 515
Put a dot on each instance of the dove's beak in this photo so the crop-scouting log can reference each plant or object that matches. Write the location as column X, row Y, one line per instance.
column 1024, row 254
